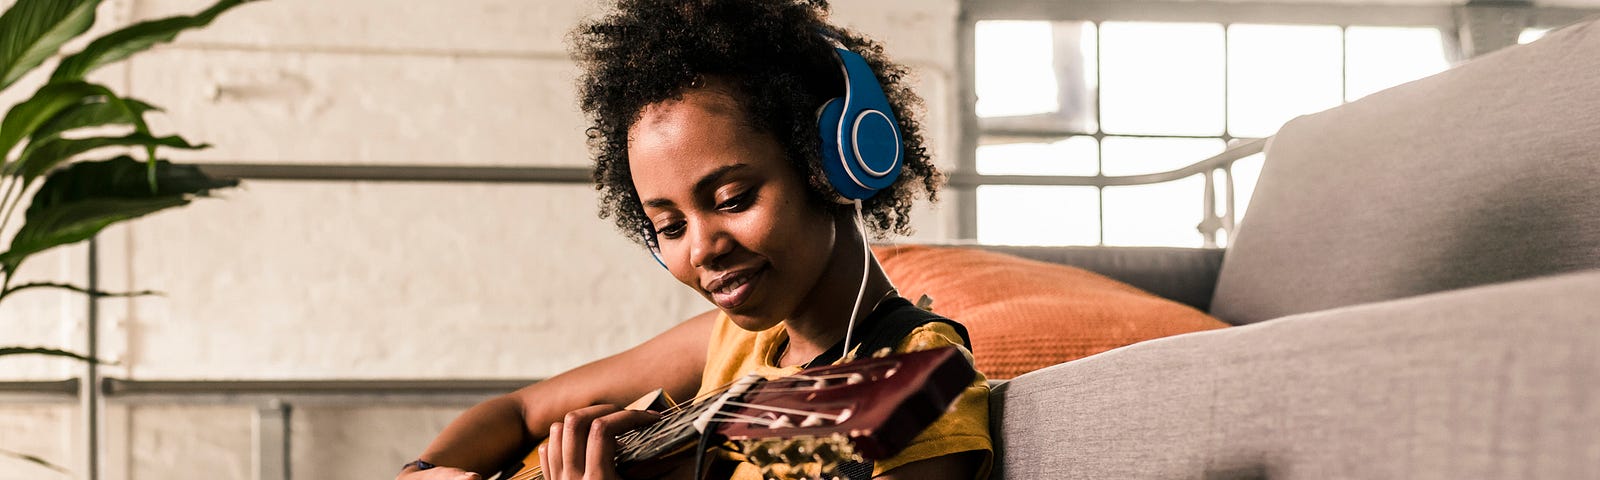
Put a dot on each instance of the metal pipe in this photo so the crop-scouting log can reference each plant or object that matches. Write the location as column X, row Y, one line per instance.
column 66, row 388
column 1227, row 157
column 272, row 435
column 398, row 173
column 966, row 201
column 116, row 387
column 90, row 396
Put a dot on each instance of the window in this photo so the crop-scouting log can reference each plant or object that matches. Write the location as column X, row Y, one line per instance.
column 1104, row 99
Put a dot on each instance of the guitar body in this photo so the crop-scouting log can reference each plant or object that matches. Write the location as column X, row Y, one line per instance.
column 800, row 426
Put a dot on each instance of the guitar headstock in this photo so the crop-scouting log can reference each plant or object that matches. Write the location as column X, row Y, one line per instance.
column 804, row 425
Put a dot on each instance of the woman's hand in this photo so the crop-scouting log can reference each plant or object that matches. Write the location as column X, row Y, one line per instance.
column 583, row 445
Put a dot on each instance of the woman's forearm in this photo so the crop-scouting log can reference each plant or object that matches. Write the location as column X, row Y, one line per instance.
column 483, row 439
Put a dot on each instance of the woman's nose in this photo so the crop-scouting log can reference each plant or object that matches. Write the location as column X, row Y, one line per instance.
column 708, row 243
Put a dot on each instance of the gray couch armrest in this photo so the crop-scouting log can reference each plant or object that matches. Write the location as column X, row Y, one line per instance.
column 1499, row 381
column 1187, row 275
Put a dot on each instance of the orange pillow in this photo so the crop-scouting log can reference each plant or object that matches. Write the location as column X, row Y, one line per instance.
column 1024, row 314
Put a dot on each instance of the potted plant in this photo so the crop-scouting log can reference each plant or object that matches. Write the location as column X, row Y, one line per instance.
column 53, row 144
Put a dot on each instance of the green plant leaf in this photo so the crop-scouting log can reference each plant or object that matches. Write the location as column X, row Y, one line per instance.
column 26, row 117
column 94, row 112
column 38, row 158
column 36, row 460
column 76, row 222
column 77, row 202
column 133, row 39
column 33, row 30
column 63, row 286
column 51, row 352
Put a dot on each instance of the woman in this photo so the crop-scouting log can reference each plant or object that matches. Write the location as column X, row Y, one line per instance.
column 705, row 123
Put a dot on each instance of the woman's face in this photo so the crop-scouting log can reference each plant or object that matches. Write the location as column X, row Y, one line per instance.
column 730, row 213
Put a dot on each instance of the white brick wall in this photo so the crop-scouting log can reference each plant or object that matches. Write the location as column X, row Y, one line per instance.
column 305, row 280
column 320, row 280
column 41, row 430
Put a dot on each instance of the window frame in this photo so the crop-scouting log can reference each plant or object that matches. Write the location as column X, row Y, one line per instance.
column 1467, row 30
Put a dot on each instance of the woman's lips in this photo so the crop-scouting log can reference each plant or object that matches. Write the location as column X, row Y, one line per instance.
column 736, row 289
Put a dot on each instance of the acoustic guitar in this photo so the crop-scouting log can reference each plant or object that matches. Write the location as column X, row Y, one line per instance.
column 803, row 426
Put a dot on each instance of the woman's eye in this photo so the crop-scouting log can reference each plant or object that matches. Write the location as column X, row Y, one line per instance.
column 671, row 230
column 738, row 202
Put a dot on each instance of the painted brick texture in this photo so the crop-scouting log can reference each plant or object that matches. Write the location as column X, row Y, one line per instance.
column 312, row 280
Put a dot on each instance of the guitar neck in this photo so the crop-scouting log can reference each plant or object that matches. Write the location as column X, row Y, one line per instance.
column 644, row 448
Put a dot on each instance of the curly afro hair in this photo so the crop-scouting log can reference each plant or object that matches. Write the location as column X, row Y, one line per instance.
column 778, row 58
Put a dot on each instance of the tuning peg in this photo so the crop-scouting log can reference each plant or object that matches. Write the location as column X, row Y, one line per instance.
column 797, row 451
column 782, row 421
column 825, row 453
column 761, row 452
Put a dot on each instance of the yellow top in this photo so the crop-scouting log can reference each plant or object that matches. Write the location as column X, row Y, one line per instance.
column 735, row 352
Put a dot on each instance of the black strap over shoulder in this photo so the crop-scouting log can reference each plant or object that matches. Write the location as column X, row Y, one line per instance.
column 886, row 326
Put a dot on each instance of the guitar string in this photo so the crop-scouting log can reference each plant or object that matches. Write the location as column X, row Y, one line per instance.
column 671, row 426
column 730, row 417
column 791, row 411
column 678, row 409
column 658, row 433
column 675, row 420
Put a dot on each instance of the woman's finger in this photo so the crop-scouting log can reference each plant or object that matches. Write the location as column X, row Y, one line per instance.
column 603, row 433
column 552, row 470
column 575, row 437
column 544, row 460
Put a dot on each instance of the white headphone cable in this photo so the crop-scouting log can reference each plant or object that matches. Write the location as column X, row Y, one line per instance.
column 866, row 262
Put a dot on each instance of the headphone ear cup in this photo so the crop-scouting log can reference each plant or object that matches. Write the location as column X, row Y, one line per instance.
column 828, row 118
column 861, row 145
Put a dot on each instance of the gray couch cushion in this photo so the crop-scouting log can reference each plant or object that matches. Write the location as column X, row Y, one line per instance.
column 1493, row 382
column 1484, row 173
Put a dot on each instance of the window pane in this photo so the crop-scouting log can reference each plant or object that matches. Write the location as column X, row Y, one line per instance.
column 1073, row 156
column 1277, row 72
column 1164, row 214
column 1014, row 74
column 1162, row 78
column 1382, row 57
column 1245, row 173
column 1531, row 34
column 1137, row 156
column 1038, row 215
column 1036, row 75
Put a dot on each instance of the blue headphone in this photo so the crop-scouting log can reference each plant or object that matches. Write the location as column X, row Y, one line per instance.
column 861, row 148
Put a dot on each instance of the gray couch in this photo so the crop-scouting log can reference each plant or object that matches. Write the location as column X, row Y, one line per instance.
column 1417, row 293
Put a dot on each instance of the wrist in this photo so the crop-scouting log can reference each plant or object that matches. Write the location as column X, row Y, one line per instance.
column 415, row 465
